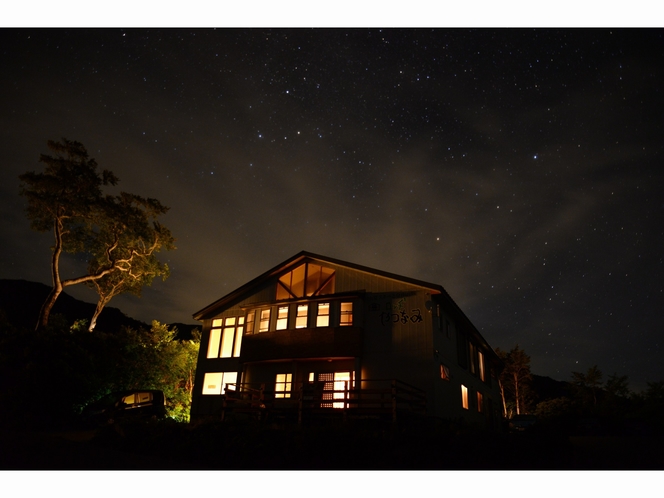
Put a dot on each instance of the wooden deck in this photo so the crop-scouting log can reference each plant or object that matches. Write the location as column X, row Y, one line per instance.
column 385, row 399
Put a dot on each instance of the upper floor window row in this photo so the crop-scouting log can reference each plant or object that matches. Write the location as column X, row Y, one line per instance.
column 306, row 280
column 299, row 316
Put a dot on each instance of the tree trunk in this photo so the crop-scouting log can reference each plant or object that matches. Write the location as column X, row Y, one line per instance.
column 98, row 309
column 517, row 394
column 502, row 395
column 46, row 308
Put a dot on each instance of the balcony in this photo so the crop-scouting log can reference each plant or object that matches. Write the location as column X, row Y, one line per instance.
column 323, row 342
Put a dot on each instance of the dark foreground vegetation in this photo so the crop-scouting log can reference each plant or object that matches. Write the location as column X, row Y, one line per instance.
column 48, row 375
column 346, row 446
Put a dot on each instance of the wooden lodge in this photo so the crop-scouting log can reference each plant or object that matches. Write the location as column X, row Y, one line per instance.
column 317, row 338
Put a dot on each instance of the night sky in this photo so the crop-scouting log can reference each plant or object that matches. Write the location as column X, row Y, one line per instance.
column 520, row 169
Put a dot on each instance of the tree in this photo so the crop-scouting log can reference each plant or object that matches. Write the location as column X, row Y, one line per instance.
column 156, row 359
column 68, row 199
column 588, row 385
column 515, row 379
column 128, row 241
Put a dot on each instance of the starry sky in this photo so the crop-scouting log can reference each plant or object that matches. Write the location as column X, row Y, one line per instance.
column 519, row 168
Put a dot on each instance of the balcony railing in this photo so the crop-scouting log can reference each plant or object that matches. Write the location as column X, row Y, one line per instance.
column 380, row 398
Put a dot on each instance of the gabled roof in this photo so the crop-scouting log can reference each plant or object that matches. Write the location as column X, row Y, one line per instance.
column 296, row 261
column 236, row 295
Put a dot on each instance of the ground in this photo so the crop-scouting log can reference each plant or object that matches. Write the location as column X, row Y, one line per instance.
column 252, row 447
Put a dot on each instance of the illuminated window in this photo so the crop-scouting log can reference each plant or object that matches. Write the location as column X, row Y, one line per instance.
column 323, row 315
column 215, row 340
column 282, row 318
column 444, row 372
column 464, row 397
column 480, row 406
column 238, row 337
column 341, row 387
column 282, row 388
column 480, row 363
column 215, row 382
column 346, row 317
column 301, row 318
column 473, row 357
column 335, row 386
column 225, row 337
column 264, row 323
column 306, row 280
column 251, row 316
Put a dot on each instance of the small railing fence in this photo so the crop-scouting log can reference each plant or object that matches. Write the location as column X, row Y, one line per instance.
column 385, row 398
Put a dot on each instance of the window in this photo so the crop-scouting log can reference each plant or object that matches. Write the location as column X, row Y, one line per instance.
column 480, row 364
column 282, row 318
column 473, row 357
column 464, row 397
column 238, row 337
column 301, row 318
column 346, row 314
column 282, row 388
column 264, row 323
column 215, row 340
column 215, row 382
column 335, row 387
column 225, row 337
column 444, row 372
column 306, row 280
column 251, row 316
column 129, row 400
column 323, row 315
column 480, row 405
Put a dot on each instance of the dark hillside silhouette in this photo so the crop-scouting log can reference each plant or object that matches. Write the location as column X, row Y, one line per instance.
column 20, row 300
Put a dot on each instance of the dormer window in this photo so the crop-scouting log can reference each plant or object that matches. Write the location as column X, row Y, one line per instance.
column 306, row 280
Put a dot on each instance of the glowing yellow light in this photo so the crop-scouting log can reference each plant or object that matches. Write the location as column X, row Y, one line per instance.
column 341, row 383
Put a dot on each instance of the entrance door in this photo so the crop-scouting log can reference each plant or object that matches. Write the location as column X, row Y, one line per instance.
column 335, row 386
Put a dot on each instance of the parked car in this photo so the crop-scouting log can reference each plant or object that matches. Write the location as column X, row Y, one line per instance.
column 137, row 404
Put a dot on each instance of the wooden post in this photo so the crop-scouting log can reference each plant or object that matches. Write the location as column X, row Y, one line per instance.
column 299, row 404
column 394, row 401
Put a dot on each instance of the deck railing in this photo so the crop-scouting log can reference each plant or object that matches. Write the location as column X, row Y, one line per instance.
column 373, row 398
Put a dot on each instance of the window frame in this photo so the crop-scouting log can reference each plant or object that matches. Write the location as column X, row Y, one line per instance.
column 219, row 377
column 299, row 318
column 345, row 314
column 264, row 323
column 225, row 337
column 282, row 321
column 284, row 380
column 323, row 319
